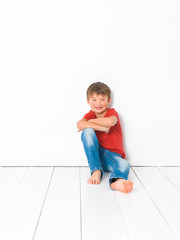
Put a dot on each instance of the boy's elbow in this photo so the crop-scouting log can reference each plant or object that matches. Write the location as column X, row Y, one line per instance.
column 78, row 125
column 113, row 121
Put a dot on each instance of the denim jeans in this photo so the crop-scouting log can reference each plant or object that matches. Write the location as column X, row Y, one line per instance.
column 102, row 159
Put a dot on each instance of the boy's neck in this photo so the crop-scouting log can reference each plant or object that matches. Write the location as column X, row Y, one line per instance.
column 101, row 115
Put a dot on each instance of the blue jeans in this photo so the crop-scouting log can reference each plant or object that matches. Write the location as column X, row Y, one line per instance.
column 102, row 159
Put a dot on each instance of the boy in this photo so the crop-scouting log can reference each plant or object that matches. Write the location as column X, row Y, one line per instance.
column 102, row 140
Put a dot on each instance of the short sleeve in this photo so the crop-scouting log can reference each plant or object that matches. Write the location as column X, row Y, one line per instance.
column 89, row 115
column 112, row 112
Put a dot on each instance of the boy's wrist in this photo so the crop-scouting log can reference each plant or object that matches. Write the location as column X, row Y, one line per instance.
column 95, row 126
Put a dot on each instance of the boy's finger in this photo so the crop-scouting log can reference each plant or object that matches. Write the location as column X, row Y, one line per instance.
column 79, row 130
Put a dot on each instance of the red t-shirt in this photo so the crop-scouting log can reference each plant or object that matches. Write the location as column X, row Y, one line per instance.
column 112, row 140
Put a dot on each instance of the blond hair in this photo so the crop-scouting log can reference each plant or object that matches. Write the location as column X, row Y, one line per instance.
column 98, row 88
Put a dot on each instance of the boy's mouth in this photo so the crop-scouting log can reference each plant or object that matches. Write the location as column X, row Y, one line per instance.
column 99, row 108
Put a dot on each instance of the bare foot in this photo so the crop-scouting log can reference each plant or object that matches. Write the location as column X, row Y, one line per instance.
column 122, row 185
column 95, row 177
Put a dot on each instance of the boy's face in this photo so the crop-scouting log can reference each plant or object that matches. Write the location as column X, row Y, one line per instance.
column 98, row 103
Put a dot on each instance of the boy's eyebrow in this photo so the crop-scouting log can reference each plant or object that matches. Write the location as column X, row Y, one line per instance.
column 96, row 97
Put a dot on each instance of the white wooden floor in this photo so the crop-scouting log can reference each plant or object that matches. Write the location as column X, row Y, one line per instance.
column 49, row 203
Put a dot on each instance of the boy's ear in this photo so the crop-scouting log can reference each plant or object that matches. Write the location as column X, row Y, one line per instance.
column 88, row 101
column 109, row 100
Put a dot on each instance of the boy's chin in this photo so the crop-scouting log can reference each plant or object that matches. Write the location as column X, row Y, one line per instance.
column 99, row 111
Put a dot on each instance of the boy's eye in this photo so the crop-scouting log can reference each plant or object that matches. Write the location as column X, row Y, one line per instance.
column 102, row 99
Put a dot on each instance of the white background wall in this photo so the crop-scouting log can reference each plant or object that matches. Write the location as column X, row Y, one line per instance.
column 51, row 51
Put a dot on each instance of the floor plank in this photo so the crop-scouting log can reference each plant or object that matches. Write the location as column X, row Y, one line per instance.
column 164, row 195
column 10, row 178
column 141, row 217
column 60, row 218
column 19, row 219
column 101, row 218
column 173, row 174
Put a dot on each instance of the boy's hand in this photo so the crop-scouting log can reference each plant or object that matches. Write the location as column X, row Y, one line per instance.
column 106, row 129
column 79, row 130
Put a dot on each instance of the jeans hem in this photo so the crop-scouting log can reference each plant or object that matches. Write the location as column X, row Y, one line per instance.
column 111, row 180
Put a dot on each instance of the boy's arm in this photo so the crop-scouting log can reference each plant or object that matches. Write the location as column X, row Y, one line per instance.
column 105, row 121
column 84, row 123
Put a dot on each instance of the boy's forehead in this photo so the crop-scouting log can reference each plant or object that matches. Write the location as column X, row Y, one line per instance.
column 95, row 95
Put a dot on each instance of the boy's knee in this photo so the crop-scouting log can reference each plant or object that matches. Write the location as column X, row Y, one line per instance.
column 88, row 132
